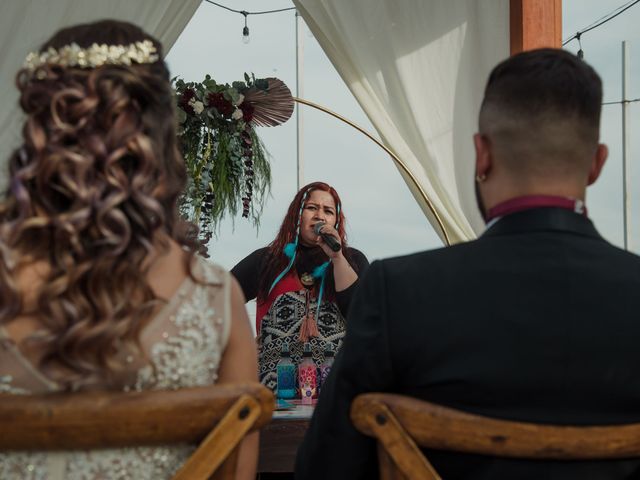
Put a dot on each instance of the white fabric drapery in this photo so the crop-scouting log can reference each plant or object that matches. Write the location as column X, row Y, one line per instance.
column 418, row 69
column 27, row 24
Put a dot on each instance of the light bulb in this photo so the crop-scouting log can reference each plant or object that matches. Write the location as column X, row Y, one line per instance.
column 245, row 35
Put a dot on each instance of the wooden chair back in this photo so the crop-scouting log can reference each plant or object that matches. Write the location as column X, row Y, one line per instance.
column 216, row 418
column 403, row 424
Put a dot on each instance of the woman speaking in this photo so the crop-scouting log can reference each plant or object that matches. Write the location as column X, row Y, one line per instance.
column 303, row 286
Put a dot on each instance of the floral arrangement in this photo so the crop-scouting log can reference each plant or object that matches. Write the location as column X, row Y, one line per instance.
column 226, row 161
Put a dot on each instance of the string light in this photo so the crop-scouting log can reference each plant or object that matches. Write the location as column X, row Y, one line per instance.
column 576, row 36
column 580, row 52
column 245, row 29
column 599, row 22
column 622, row 101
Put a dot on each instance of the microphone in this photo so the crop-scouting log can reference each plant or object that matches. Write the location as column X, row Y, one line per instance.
column 328, row 239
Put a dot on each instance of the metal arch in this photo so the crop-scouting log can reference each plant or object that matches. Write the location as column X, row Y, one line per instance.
column 399, row 162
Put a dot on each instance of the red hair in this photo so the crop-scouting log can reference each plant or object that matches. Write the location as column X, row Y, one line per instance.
column 277, row 260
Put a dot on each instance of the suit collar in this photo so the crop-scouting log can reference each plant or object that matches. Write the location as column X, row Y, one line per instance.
column 543, row 219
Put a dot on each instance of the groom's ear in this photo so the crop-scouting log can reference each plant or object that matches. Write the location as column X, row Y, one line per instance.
column 484, row 154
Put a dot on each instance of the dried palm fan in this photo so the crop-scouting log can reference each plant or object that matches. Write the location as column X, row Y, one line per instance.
column 271, row 107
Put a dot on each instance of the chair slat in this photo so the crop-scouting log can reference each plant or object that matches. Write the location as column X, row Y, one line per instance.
column 406, row 455
column 442, row 428
column 115, row 419
column 223, row 440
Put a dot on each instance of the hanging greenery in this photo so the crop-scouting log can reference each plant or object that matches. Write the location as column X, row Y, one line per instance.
column 226, row 161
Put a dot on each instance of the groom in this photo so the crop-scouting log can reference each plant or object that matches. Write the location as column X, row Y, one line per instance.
column 537, row 320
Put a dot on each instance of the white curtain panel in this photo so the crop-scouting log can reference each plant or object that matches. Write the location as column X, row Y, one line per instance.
column 27, row 24
column 418, row 70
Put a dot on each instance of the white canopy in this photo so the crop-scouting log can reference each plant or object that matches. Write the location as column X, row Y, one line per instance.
column 26, row 24
column 416, row 67
column 418, row 70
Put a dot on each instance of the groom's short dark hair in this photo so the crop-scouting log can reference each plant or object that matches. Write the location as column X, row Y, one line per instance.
column 547, row 99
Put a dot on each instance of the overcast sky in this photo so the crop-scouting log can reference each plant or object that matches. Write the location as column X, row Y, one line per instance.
column 383, row 218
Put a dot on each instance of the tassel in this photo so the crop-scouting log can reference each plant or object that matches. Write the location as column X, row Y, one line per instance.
column 290, row 249
column 320, row 270
column 309, row 327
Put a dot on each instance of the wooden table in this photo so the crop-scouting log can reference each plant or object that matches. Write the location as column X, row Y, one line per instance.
column 280, row 439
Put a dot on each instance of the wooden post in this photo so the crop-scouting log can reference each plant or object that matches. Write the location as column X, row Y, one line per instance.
column 535, row 24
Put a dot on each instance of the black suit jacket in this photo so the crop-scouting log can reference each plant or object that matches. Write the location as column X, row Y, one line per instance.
column 537, row 320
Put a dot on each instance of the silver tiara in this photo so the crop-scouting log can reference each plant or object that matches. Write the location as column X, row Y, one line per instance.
column 94, row 56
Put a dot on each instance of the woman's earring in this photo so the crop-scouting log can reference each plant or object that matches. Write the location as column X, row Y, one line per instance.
column 481, row 178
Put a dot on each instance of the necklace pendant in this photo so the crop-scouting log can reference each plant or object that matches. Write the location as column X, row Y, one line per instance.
column 307, row 280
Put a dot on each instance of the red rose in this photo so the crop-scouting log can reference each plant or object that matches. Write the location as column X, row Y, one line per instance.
column 247, row 111
column 184, row 100
column 221, row 104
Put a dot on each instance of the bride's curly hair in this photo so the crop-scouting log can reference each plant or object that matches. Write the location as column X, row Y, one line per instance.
column 93, row 195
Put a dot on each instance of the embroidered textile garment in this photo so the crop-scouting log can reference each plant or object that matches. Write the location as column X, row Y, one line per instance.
column 184, row 342
column 281, row 325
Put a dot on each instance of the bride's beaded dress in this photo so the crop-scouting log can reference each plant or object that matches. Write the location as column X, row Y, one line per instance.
column 183, row 343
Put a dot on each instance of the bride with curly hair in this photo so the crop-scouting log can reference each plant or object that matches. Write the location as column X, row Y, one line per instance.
column 100, row 287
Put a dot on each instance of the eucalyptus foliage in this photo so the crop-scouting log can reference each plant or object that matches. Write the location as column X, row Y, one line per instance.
column 227, row 163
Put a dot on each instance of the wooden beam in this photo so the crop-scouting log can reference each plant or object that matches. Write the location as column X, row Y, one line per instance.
column 535, row 24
